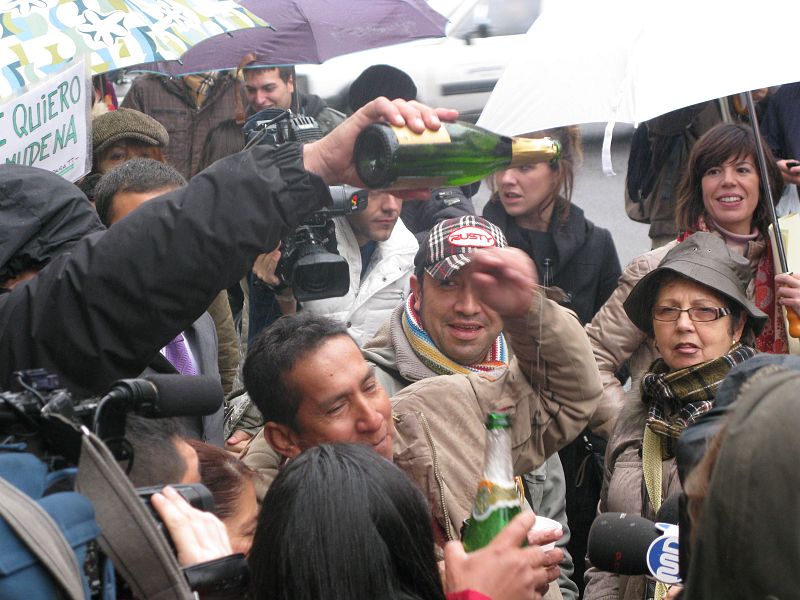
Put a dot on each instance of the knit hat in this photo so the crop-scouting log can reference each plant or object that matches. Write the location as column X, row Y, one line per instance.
column 126, row 123
column 450, row 242
column 705, row 259
column 380, row 80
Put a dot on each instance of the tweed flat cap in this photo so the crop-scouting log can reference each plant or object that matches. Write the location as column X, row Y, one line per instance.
column 126, row 123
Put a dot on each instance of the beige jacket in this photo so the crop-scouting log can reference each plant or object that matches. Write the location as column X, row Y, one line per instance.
column 624, row 491
column 615, row 340
column 440, row 444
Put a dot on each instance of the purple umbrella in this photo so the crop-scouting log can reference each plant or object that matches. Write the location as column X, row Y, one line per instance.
column 310, row 31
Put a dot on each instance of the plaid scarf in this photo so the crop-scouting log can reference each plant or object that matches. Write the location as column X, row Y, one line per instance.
column 685, row 394
column 772, row 338
column 424, row 347
column 201, row 84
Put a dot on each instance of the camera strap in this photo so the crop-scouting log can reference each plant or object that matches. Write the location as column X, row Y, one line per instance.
column 129, row 535
column 40, row 534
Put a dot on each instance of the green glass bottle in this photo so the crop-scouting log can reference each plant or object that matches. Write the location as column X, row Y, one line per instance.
column 497, row 500
column 457, row 154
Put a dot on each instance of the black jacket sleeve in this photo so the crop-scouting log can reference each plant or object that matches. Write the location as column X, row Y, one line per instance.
column 102, row 311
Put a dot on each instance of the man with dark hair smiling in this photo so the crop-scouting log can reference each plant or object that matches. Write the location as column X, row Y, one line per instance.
column 462, row 369
column 308, row 379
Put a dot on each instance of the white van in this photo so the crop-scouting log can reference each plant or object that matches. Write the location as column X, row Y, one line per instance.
column 457, row 71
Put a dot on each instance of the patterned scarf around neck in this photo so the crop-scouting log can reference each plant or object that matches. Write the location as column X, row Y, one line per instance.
column 687, row 393
column 422, row 344
column 200, row 84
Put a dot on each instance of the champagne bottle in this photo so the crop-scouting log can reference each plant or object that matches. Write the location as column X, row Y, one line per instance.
column 497, row 500
column 457, row 154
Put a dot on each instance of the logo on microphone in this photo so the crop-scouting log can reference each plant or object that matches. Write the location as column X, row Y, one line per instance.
column 662, row 555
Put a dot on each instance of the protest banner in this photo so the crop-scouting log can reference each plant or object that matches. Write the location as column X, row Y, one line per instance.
column 48, row 124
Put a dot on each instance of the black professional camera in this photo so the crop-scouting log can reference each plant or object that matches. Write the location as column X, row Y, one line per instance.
column 310, row 261
column 48, row 416
column 50, row 420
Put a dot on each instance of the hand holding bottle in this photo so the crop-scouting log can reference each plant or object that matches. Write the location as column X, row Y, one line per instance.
column 503, row 570
column 332, row 157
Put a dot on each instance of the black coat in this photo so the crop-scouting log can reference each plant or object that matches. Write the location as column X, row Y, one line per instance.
column 587, row 265
column 102, row 311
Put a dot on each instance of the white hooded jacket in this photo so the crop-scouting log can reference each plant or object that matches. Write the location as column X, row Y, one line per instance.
column 369, row 302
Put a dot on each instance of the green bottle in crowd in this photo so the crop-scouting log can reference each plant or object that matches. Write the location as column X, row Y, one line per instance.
column 497, row 500
column 457, row 154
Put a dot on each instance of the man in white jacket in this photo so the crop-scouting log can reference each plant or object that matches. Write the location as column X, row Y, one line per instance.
column 380, row 251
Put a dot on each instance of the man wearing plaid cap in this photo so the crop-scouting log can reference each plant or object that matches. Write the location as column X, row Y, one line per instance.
column 444, row 357
column 451, row 325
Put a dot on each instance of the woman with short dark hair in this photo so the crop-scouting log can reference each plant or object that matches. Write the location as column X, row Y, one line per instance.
column 720, row 193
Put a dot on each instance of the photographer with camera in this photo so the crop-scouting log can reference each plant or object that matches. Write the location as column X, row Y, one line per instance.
column 95, row 306
column 161, row 267
column 351, row 261
column 380, row 251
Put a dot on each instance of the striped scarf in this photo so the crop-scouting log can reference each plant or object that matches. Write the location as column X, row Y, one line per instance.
column 685, row 394
column 425, row 349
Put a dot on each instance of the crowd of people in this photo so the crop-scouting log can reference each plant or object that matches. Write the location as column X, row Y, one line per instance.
column 346, row 455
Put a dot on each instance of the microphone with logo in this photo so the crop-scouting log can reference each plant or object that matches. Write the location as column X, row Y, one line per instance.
column 632, row 545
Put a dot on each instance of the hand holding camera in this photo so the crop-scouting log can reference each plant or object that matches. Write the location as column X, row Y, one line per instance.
column 199, row 536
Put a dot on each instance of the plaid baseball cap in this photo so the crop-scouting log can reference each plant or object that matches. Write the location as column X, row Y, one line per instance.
column 450, row 242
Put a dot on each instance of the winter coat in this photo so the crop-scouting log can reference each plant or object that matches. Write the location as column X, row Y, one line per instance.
column 586, row 266
column 546, row 485
column 369, row 301
column 615, row 340
column 781, row 125
column 624, row 491
column 746, row 545
column 440, row 444
column 102, row 311
column 670, row 138
column 170, row 102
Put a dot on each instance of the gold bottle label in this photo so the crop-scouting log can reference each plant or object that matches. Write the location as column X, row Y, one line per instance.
column 526, row 151
column 406, row 137
column 492, row 496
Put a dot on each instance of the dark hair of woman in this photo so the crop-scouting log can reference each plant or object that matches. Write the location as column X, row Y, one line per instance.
column 721, row 144
column 222, row 140
column 571, row 156
column 340, row 521
column 224, row 475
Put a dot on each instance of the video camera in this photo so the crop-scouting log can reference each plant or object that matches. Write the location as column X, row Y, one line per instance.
column 51, row 421
column 39, row 410
column 310, row 262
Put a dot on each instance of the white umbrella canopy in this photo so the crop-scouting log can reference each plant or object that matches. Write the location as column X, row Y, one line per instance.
column 591, row 61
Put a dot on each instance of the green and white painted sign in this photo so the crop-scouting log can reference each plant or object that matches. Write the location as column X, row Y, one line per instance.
column 48, row 124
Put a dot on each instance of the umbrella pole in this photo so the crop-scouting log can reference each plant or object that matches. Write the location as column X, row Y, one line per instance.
column 792, row 317
column 762, row 164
